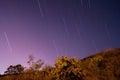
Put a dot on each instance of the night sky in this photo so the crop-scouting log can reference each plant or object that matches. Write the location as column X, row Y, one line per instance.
column 51, row 28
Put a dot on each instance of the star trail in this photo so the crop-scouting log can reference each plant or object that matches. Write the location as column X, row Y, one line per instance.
column 52, row 28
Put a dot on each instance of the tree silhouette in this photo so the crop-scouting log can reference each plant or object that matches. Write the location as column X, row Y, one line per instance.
column 14, row 69
column 34, row 65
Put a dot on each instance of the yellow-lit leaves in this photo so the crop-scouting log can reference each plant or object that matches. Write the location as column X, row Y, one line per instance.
column 67, row 68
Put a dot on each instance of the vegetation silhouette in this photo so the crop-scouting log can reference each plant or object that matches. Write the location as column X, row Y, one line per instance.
column 104, row 65
column 17, row 69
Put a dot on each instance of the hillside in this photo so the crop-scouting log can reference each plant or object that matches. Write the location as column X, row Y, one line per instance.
column 104, row 65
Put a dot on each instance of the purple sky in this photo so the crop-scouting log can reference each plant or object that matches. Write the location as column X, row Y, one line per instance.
column 51, row 28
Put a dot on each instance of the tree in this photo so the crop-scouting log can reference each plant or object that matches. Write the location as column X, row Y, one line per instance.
column 14, row 69
column 34, row 65
column 19, row 68
column 68, row 69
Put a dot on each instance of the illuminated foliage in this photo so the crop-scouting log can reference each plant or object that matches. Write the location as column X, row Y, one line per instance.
column 102, row 66
column 68, row 69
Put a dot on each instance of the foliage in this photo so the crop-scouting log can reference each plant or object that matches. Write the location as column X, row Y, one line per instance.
column 102, row 66
column 14, row 69
column 68, row 69
column 34, row 65
column 48, row 72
